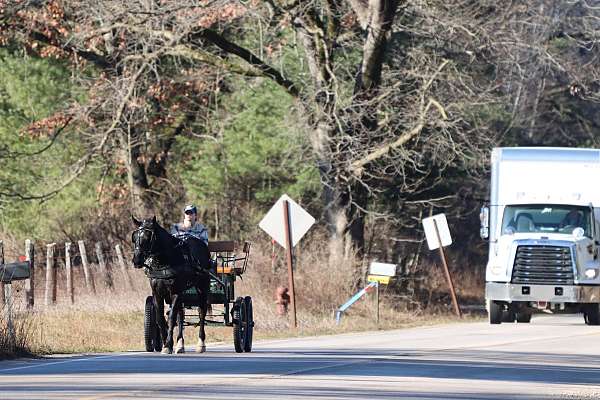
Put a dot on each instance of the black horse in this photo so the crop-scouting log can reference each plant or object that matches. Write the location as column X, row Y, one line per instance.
column 172, row 270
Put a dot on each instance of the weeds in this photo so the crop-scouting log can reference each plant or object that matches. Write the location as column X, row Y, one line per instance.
column 112, row 319
column 15, row 337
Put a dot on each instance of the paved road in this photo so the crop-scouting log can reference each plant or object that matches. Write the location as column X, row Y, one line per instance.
column 553, row 357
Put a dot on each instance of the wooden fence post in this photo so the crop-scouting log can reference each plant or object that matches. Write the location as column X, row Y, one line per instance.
column 50, row 294
column 121, row 260
column 2, row 297
column 69, row 270
column 30, row 283
column 89, row 281
column 103, row 269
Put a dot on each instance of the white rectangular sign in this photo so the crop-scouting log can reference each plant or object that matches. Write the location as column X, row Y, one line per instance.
column 378, row 268
column 274, row 224
column 430, row 234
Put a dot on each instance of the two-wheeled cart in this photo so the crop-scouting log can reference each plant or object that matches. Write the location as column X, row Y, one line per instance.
column 235, row 312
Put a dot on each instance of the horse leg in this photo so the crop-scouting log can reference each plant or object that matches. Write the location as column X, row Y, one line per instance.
column 201, row 347
column 175, row 306
column 160, row 319
column 180, row 347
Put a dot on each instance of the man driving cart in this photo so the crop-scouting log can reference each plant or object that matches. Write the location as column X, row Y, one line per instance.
column 192, row 233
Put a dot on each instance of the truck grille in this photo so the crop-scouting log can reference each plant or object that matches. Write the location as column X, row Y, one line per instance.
column 543, row 265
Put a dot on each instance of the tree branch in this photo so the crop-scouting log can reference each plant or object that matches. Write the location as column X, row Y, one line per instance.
column 90, row 56
column 232, row 48
column 381, row 16
column 43, row 149
column 357, row 166
column 80, row 165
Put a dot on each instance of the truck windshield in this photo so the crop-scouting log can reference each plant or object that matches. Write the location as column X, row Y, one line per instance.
column 546, row 218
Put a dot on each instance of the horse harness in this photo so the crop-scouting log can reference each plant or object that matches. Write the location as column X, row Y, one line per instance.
column 154, row 268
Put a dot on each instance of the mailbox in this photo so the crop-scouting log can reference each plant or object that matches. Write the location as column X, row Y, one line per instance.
column 14, row 271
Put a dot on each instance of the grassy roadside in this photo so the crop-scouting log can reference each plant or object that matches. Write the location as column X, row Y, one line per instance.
column 112, row 319
column 82, row 331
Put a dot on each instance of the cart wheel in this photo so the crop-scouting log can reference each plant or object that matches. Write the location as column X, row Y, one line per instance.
column 242, row 324
column 249, row 324
column 149, row 325
column 238, row 331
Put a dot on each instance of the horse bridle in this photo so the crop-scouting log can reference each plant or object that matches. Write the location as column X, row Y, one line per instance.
column 135, row 236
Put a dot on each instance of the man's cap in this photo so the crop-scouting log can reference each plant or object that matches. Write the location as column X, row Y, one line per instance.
column 190, row 207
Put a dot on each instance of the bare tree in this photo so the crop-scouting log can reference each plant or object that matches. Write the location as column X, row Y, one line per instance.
column 136, row 102
column 382, row 105
column 401, row 100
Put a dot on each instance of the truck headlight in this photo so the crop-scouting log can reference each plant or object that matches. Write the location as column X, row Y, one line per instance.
column 591, row 273
column 496, row 269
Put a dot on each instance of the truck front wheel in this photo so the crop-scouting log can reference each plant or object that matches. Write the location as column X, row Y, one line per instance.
column 591, row 314
column 524, row 317
column 495, row 312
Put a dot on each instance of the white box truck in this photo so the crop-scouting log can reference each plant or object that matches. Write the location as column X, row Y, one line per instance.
column 543, row 227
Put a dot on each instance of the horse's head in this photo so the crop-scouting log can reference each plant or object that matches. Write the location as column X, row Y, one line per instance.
column 144, row 240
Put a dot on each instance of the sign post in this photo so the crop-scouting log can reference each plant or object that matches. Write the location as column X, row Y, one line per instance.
column 290, row 259
column 287, row 222
column 352, row 300
column 379, row 274
column 377, row 302
column 438, row 236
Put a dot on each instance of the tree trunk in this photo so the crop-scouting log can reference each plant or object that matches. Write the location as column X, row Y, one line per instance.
column 346, row 223
column 344, row 202
column 138, row 183
column 131, row 155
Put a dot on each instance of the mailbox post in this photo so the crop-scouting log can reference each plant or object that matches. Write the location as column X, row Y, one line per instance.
column 379, row 274
column 9, row 273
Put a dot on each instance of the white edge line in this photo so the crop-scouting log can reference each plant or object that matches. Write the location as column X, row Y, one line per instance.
column 44, row 364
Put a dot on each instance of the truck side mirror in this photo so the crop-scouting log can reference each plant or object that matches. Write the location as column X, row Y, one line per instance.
column 484, row 217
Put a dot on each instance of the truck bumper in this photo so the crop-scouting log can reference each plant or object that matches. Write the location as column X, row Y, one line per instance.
column 511, row 292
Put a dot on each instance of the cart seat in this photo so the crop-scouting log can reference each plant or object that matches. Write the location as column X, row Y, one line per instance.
column 228, row 262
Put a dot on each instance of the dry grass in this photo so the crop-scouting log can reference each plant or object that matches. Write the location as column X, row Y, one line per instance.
column 67, row 330
column 112, row 320
column 15, row 341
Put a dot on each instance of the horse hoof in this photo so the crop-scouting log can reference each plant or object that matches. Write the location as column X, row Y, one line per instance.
column 166, row 350
column 180, row 348
column 201, row 349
